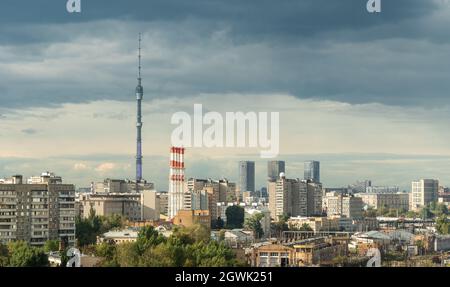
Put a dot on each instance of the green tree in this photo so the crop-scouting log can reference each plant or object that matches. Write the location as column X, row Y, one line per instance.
column 235, row 216
column 186, row 247
column 370, row 212
column 217, row 223
column 87, row 229
column 4, row 256
column 148, row 237
column 443, row 224
column 305, row 227
column 51, row 245
column 412, row 214
column 280, row 226
column 425, row 213
column 253, row 223
column 24, row 255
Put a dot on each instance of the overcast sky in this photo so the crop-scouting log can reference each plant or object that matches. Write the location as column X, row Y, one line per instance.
column 366, row 94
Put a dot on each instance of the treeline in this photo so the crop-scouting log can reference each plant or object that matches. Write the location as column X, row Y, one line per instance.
column 186, row 247
column 22, row 254
column 87, row 229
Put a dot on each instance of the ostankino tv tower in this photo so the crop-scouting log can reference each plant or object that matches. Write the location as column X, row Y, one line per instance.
column 139, row 96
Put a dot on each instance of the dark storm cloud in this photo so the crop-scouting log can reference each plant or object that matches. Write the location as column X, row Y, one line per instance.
column 319, row 49
column 248, row 18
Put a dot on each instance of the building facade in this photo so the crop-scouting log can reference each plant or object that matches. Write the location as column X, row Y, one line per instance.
column 287, row 197
column 312, row 170
column 343, row 205
column 132, row 206
column 274, row 168
column 398, row 201
column 37, row 212
column 423, row 192
column 246, row 176
column 189, row 218
column 314, row 198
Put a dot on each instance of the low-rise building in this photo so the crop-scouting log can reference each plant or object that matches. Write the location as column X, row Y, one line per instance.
column 398, row 201
column 308, row 252
column 133, row 206
column 118, row 236
column 315, row 223
column 343, row 205
column 188, row 218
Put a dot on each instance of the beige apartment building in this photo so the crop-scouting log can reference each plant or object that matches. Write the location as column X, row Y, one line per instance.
column 189, row 218
column 398, row 200
column 36, row 212
column 316, row 223
column 133, row 206
column 343, row 205
column 205, row 194
column 287, row 197
column 423, row 192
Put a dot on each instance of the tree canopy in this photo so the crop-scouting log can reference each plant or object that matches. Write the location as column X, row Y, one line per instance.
column 235, row 216
column 186, row 247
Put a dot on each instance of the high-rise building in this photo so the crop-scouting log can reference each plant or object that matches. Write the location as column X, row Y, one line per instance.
column 176, row 181
column 314, row 198
column 274, row 168
column 38, row 211
column 287, row 197
column 205, row 194
column 227, row 190
column 246, row 176
column 312, row 170
column 423, row 192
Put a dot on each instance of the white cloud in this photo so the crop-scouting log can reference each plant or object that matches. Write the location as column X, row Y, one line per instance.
column 106, row 167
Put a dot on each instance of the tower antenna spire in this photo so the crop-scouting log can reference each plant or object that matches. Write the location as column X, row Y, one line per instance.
column 139, row 97
column 140, row 40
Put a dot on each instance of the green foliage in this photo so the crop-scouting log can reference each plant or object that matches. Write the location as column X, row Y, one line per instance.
column 51, row 245
column 280, row 226
column 186, row 247
column 148, row 237
column 4, row 256
column 305, row 227
column 253, row 223
column 443, row 224
column 21, row 254
column 235, row 217
column 217, row 223
column 370, row 212
column 412, row 214
column 87, row 229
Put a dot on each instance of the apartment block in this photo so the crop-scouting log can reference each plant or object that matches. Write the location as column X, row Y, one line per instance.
column 133, row 206
column 41, row 210
column 287, row 197
column 423, row 192
column 398, row 200
column 343, row 205
column 188, row 218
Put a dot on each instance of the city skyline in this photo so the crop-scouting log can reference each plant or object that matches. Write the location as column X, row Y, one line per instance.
column 67, row 103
